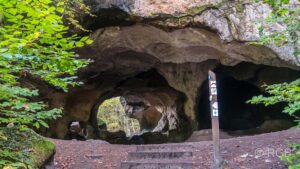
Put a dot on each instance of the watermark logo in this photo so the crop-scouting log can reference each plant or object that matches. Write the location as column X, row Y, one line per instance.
column 272, row 152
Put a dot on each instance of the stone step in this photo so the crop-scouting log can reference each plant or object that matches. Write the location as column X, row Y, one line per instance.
column 157, row 165
column 164, row 147
column 159, row 155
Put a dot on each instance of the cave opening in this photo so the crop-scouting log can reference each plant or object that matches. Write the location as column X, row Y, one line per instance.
column 111, row 117
column 142, row 109
column 237, row 117
column 160, row 108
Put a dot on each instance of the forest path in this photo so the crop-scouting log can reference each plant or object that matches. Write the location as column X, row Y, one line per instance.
column 249, row 152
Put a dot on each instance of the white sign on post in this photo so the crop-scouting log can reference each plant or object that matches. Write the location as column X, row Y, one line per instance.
column 215, row 109
column 215, row 119
column 213, row 87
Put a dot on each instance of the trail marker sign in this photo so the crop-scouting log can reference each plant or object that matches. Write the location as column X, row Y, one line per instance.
column 213, row 97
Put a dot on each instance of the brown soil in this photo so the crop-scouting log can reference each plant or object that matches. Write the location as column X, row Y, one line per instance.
column 250, row 152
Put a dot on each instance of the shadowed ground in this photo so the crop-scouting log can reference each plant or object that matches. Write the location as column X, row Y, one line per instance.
column 250, row 152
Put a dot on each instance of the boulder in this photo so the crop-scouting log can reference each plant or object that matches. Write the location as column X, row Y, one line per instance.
column 26, row 146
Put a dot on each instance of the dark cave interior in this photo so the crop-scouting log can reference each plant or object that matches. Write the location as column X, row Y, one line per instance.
column 235, row 113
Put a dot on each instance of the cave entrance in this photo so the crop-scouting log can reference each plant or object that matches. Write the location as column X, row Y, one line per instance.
column 141, row 109
column 111, row 116
column 236, row 116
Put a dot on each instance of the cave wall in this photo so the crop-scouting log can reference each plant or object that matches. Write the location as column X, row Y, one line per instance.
column 149, row 98
column 238, row 84
column 230, row 20
column 182, row 56
column 181, row 40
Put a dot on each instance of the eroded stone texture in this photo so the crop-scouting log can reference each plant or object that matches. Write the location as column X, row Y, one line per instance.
column 181, row 57
column 180, row 46
column 232, row 20
column 215, row 20
column 152, row 101
column 150, row 8
column 156, row 54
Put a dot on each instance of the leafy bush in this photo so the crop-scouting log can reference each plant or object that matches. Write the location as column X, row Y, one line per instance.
column 293, row 160
column 284, row 92
column 34, row 41
column 287, row 16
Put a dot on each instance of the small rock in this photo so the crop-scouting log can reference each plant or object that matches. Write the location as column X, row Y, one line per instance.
column 244, row 155
column 268, row 161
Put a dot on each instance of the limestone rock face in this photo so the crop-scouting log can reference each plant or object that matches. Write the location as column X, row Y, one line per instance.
column 232, row 20
column 156, row 55
column 150, row 8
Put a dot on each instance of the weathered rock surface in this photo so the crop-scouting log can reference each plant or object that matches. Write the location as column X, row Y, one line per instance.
column 232, row 20
column 26, row 146
column 156, row 54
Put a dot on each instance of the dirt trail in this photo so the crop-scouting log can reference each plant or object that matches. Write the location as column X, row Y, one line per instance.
column 250, row 152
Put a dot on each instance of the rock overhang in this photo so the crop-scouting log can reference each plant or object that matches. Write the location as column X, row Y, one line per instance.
column 180, row 40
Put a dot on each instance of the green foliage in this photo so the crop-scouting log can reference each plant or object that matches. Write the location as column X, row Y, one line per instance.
column 293, row 160
column 287, row 16
column 17, row 109
column 112, row 113
column 23, row 149
column 74, row 9
column 290, row 94
column 34, row 41
column 284, row 92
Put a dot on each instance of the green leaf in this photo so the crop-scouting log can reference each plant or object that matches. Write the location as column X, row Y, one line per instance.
column 89, row 41
column 79, row 44
column 84, row 38
column 43, row 124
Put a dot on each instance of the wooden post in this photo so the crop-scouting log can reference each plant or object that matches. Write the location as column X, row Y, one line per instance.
column 214, row 119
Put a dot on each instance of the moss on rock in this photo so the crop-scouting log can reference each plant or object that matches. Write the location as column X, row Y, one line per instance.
column 23, row 148
column 198, row 9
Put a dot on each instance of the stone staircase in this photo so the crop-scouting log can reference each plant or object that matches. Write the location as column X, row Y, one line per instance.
column 172, row 156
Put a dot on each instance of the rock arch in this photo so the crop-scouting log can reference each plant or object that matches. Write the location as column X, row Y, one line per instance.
column 179, row 45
